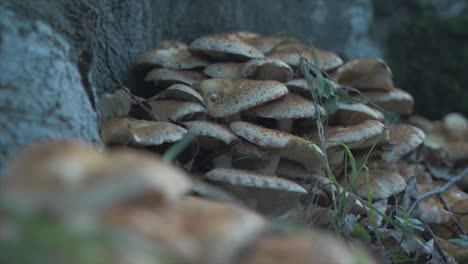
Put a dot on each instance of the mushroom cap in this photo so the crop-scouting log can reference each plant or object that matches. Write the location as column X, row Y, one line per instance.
column 212, row 130
column 287, row 145
column 225, row 97
column 404, row 139
column 300, row 86
column 357, row 136
column 225, row 70
column 116, row 104
column 266, row 43
column 455, row 125
column 352, row 114
column 173, row 76
column 366, row 73
column 224, row 47
column 170, row 43
column 164, row 110
column 253, row 179
column 140, row 132
column 395, row 100
column 290, row 106
column 431, row 209
column 290, row 52
column 64, row 177
column 180, row 92
column 421, row 122
column 172, row 58
column 267, row 69
column 383, row 183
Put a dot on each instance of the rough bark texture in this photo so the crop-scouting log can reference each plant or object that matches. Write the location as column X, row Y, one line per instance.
column 50, row 72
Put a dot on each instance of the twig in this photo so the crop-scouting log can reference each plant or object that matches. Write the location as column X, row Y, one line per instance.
column 123, row 87
column 447, row 207
column 437, row 191
column 437, row 246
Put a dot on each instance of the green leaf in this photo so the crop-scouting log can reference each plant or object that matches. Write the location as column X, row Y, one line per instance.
column 177, row 148
column 361, row 233
column 331, row 105
column 461, row 241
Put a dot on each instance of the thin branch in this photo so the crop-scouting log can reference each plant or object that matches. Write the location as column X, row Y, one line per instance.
column 454, row 219
column 437, row 191
column 123, row 87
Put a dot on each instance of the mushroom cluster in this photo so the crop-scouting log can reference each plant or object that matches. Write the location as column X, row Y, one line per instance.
column 248, row 103
column 141, row 208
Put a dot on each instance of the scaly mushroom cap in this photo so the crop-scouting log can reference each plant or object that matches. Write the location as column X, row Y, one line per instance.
column 267, row 69
column 172, row 58
column 225, row 70
column 455, row 126
column 180, row 92
column 140, row 132
column 227, row 97
column 353, row 114
column 253, row 179
column 64, row 177
column 164, row 110
column 404, row 139
column 290, row 52
column 212, row 130
column 225, row 47
column 431, row 209
column 358, row 136
column 169, row 43
column 383, row 183
column 367, row 73
column 395, row 100
column 290, row 106
column 173, row 76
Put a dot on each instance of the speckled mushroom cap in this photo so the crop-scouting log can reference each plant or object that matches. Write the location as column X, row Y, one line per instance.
column 180, row 92
column 163, row 110
column 140, row 132
column 355, row 137
column 224, row 47
column 65, row 177
column 300, row 86
column 455, row 125
column 404, row 139
column 267, row 69
column 287, row 145
column 290, row 106
column 225, row 70
column 383, row 183
column 266, row 43
column 117, row 104
column 170, row 43
column 352, row 114
column 290, row 52
column 225, row 97
column 395, row 100
column 172, row 58
column 367, row 73
column 212, row 130
column 253, row 179
column 174, row 76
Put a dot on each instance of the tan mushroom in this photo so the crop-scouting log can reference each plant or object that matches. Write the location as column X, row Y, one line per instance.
column 224, row 97
column 64, row 178
column 118, row 103
column 172, row 58
column 353, row 114
column 290, row 52
column 225, row 47
column 455, row 125
column 167, row 77
column 265, row 43
column 180, row 92
column 225, row 70
column 140, row 132
column 367, row 74
column 396, row 100
column 166, row 110
column 403, row 139
column 168, row 44
column 267, row 69
column 285, row 110
column 213, row 136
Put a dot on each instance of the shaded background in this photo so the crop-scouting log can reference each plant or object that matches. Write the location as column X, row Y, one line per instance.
column 51, row 74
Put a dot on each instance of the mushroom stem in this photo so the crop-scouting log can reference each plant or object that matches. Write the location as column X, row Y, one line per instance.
column 272, row 164
column 285, row 125
column 223, row 161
